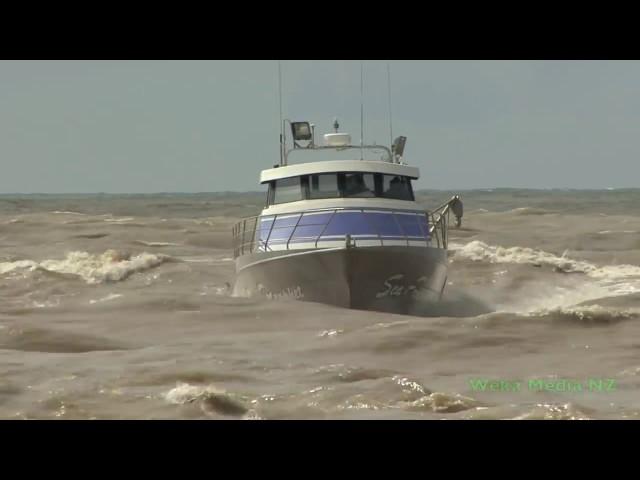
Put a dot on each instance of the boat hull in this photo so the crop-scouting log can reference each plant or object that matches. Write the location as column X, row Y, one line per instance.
column 382, row 278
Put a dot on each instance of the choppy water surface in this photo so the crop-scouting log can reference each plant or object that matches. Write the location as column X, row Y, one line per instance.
column 119, row 307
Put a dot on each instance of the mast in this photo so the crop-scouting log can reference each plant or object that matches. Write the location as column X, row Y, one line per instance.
column 280, row 119
column 389, row 95
column 361, row 110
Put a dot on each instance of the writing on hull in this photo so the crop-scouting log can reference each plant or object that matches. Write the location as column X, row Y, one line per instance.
column 289, row 292
column 396, row 286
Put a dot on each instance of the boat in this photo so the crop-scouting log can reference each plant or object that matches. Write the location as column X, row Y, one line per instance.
column 344, row 232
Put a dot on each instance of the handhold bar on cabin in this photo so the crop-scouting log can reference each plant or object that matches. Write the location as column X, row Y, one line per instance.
column 453, row 205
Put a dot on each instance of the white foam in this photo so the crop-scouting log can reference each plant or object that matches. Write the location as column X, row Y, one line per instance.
column 567, row 411
column 529, row 211
column 111, row 296
column 110, row 266
column 207, row 260
column 607, row 232
column 7, row 267
column 118, row 220
column 63, row 212
column 157, row 244
column 211, row 399
column 619, row 279
column 185, row 393
column 478, row 251
column 590, row 313
column 47, row 304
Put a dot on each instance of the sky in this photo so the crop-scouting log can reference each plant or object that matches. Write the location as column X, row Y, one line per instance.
column 203, row 126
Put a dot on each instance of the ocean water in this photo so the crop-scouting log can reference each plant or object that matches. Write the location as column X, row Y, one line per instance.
column 119, row 307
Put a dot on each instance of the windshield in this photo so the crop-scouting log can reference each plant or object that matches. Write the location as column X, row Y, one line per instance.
column 340, row 185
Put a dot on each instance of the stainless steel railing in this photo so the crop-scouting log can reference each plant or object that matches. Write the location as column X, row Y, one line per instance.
column 245, row 241
column 440, row 220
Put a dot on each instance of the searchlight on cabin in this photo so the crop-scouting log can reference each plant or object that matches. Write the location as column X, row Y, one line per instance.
column 301, row 131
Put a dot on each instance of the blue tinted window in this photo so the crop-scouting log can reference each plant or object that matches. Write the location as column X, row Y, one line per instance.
column 315, row 219
column 409, row 225
column 286, row 221
column 263, row 227
column 384, row 224
column 280, row 235
column 308, row 231
column 422, row 221
column 352, row 223
column 265, row 222
column 262, row 235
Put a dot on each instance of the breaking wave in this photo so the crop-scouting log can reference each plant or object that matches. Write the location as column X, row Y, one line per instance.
column 440, row 402
column 530, row 211
column 110, row 266
column 610, row 275
column 156, row 244
column 543, row 411
column 588, row 314
column 210, row 399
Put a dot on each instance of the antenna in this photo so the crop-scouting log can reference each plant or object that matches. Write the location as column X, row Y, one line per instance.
column 390, row 116
column 361, row 109
column 280, row 101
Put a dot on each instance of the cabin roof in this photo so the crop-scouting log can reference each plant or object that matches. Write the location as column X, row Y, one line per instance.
column 368, row 166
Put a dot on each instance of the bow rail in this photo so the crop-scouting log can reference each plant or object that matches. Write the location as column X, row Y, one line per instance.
column 429, row 229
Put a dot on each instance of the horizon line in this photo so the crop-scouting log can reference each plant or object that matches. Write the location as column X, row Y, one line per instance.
column 177, row 192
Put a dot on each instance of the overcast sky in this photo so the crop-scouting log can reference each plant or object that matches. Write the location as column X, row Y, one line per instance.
column 194, row 126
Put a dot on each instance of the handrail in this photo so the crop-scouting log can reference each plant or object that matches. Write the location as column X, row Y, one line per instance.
column 339, row 148
column 245, row 235
column 440, row 217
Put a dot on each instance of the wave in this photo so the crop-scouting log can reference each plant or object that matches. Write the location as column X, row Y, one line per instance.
column 156, row 244
column 211, row 399
column 441, row 402
column 38, row 339
column 111, row 296
column 478, row 251
column 609, row 275
column 110, row 266
column 65, row 212
column 7, row 267
column 91, row 236
column 530, row 211
column 119, row 220
column 544, row 411
column 588, row 314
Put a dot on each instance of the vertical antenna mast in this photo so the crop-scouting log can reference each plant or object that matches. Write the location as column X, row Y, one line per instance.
column 361, row 110
column 390, row 116
column 280, row 101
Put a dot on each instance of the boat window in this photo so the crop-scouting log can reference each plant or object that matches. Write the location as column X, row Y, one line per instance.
column 270, row 193
column 343, row 184
column 287, row 190
column 396, row 187
column 323, row 186
column 359, row 185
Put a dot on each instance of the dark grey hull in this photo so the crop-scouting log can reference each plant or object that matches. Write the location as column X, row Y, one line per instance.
column 382, row 278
